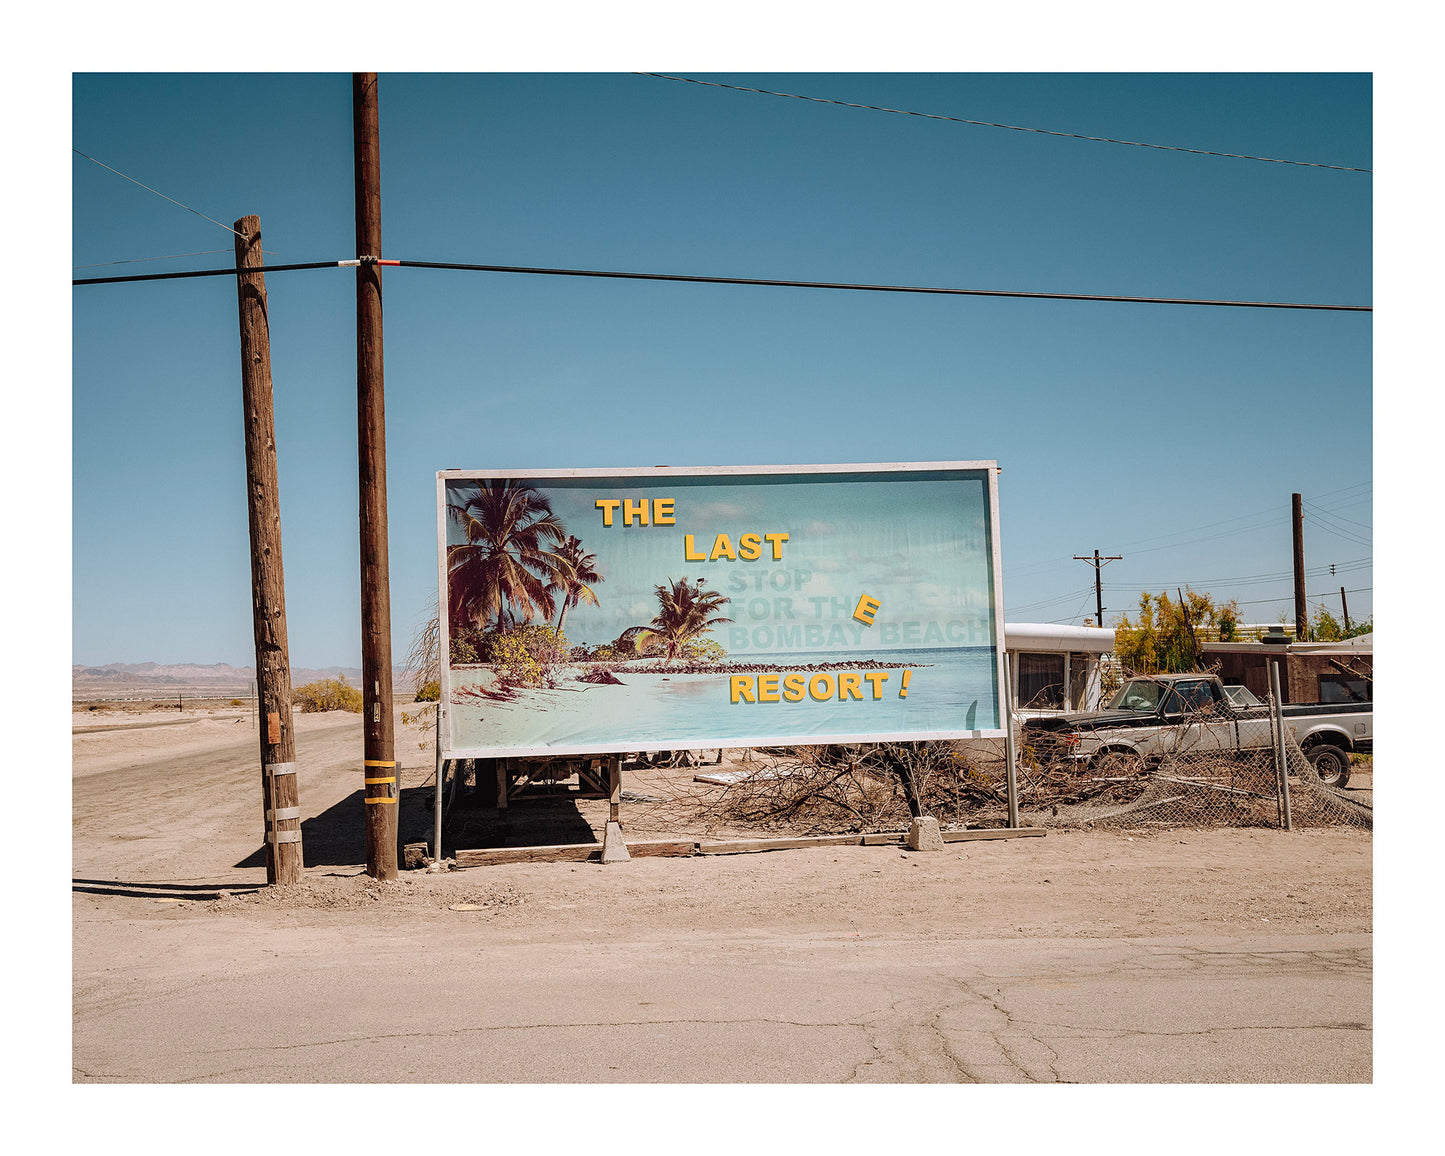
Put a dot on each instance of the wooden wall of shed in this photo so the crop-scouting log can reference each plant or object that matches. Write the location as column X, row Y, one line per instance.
column 1249, row 669
column 1305, row 671
column 1299, row 680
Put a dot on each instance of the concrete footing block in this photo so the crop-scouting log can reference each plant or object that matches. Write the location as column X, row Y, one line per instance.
column 614, row 850
column 924, row 835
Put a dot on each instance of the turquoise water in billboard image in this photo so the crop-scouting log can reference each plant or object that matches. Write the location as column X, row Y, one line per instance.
column 947, row 692
column 881, row 572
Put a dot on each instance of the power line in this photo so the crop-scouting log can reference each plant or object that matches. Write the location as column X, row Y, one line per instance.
column 1289, row 597
column 1349, row 498
column 211, row 273
column 163, row 197
column 1240, row 579
column 138, row 260
column 1331, row 523
column 1012, row 127
column 697, row 279
column 1086, row 591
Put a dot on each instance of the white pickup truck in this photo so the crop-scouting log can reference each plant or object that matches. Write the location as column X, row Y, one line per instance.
column 1194, row 714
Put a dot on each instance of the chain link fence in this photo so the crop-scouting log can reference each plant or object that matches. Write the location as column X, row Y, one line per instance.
column 1193, row 778
column 1201, row 773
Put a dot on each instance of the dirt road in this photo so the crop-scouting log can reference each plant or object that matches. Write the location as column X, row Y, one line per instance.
column 1186, row 956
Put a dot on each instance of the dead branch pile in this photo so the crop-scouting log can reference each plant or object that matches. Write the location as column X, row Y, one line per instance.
column 838, row 789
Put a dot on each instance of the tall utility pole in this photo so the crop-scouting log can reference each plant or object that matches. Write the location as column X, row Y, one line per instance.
column 379, row 758
column 1345, row 609
column 280, row 801
column 1098, row 563
column 1300, row 615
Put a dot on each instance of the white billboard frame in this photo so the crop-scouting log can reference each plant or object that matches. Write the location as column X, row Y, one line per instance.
column 989, row 468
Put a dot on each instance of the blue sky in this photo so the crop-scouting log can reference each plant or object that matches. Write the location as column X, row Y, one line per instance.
column 1171, row 435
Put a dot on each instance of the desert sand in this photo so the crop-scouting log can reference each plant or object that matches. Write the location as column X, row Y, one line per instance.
column 170, row 907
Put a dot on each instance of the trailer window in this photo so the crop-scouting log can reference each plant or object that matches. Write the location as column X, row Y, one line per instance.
column 1041, row 681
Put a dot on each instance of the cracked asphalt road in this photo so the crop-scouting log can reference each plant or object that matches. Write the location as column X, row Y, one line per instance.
column 268, row 997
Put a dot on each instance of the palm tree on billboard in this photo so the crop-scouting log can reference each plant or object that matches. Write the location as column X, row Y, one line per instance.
column 580, row 569
column 686, row 611
column 506, row 570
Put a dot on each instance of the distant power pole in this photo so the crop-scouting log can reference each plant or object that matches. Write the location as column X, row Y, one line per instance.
column 1345, row 609
column 280, row 801
column 1300, row 615
column 1098, row 564
column 381, row 789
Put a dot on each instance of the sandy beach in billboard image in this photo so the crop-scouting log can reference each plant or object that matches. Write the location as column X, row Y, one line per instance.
column 641, row 702
column 708, row 610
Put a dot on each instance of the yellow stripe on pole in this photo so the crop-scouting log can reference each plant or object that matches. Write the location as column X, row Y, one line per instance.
column 381, row 800
column 377, row 763
column 374, row 782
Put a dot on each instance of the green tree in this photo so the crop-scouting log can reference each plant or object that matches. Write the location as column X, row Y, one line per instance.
column 685, row 612
column 505, row 570
column 1325, row 628
column 1166, row 636
column 578, row 571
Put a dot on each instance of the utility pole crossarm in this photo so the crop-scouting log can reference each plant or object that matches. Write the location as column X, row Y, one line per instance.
column 1098, row 563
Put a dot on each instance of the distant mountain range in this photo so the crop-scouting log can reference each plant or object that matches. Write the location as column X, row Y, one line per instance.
column 198, row 675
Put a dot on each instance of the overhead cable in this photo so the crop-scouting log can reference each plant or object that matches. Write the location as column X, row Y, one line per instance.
column 697, row 279
column 1011, row 127
column 158, row 193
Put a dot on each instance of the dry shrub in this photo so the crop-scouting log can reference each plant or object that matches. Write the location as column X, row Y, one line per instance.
column 327, row 694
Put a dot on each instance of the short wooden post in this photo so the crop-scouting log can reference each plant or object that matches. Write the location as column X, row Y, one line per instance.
column 614, row 848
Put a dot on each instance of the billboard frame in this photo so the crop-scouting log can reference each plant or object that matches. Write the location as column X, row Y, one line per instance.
column 989, row 468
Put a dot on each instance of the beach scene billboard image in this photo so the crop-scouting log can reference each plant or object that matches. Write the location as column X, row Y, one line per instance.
column 592, row 611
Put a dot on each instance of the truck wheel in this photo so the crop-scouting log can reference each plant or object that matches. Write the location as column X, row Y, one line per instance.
column 1118, row 763
column 1331, row 764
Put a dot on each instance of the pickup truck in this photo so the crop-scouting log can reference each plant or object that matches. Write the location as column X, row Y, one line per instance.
column 1194, row 714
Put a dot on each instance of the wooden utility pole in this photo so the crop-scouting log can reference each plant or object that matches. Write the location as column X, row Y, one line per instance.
column 1345, row 609
column 1301, row 616
column 379, row 758
column 280, row 801
column 1098, row 564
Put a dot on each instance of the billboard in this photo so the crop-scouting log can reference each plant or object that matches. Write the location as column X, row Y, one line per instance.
column 598, row 611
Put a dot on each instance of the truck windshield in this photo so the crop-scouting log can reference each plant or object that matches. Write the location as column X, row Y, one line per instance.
column 1137, row 694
